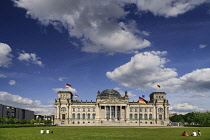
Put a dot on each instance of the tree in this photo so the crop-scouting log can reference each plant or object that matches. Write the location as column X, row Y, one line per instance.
column 177, row 118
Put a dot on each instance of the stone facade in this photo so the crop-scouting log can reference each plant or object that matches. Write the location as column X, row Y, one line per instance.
column 110, row 109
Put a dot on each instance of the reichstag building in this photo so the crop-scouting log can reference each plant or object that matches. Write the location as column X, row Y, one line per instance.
column 111, row 109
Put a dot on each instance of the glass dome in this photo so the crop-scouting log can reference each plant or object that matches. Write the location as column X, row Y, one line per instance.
column 110, row 93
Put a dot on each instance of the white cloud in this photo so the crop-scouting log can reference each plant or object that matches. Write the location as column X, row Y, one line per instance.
column 12, row 82
column 184, row 108
column 62, row 78
column 65, row 89
column 2, row 76
column 5, row 55
column 146, row 70
column 30, row 57
column 94, row 22
column 202, row 46
column 167, row 8
column 25, row 103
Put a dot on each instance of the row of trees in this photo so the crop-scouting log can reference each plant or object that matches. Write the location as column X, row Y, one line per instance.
column 201, row 118
column 23, row 121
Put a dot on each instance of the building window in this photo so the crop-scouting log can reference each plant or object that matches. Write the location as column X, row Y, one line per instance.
column 145, row 110
column 131, row 116
column 140, row 116
column 145, row 117
column 88, row 115
column 78, row 116
column 83, row 109
column 61, row 96
column 150, row 116
column 160, row 117
column 73, row 109
column 78, row 109
column 83, row 116
column 102, row 107
column 73, row 116
column 150, row 110
column 160, row 110
column 63, row 116
column 94, row 109
column 131, row 109
column 94, row 116
column 88, row 109
column 140, row 110
column 135, row 109
column 136, row 117
column 63, row 109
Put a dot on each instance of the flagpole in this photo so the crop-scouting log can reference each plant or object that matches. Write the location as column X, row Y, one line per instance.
column 139, row 113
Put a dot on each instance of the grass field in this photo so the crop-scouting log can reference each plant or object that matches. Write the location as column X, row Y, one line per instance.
column 102, row 133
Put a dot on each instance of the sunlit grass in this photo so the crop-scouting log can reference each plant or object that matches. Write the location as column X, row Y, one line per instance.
column 101, row 133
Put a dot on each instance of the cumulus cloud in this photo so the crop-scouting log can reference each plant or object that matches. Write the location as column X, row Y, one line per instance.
column 167, row 8
column 65, row 89
column 25, row 103
column 146, row 70
column 94, row 22
column 62, row 78
column 143, row 71
column 184, row 108
column 12, row 82
column 202, row 46
column 5, row 55
column 2, row 76
column 30, row 57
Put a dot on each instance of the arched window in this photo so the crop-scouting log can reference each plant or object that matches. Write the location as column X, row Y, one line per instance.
column 88, row 115
column 150, row 116
column 140, row 116
column 78, row 116
column 94, row 116
column 63, row 109
column 136, row 117
column 83, row 116
column 160, row 110
column 145, row 117
column 131, row 116
column 73, row 116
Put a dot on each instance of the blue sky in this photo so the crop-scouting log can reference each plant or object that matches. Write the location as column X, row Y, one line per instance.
column 95, row 45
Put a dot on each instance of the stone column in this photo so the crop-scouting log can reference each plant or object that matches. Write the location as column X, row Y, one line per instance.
column 58, row 111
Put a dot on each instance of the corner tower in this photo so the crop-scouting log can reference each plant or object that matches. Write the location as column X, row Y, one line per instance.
column 62, row 105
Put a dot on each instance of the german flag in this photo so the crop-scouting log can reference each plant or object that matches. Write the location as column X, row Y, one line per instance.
column 76, row 95
column 67, row 85
column 158, row 86
column 141, row 100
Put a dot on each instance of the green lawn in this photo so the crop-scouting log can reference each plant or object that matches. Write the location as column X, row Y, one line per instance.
column 102, row 133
